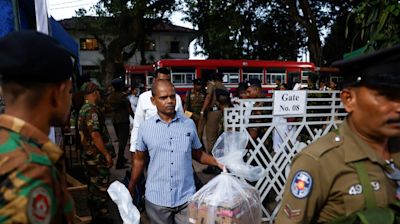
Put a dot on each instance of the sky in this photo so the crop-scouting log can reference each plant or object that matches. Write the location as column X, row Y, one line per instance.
column 64, row 9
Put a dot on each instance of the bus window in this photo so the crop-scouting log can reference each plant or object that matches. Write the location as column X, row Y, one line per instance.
column 293, row 78
column 276, row 73
column 231, row 75
column 182, row 75
column 253, row 73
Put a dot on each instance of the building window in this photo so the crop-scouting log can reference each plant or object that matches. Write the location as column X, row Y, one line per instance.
column 174, row 47
column 89, row 44
column 149, row 45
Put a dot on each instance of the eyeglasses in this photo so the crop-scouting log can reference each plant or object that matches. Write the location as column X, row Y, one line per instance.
column 393, row 172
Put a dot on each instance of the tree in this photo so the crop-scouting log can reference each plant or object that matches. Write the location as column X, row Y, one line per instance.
column 128, row 21
column 232, row 29
column 378, row 23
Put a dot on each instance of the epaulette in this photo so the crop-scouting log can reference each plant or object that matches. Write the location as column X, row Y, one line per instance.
column 324, row 144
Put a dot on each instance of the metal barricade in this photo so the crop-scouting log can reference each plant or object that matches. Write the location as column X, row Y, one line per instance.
column 281, row 138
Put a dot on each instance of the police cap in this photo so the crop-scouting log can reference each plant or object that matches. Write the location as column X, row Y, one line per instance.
column 118, row 83
column 255, row 82
column 27, row 56
column 379, row 70
column 89, row 87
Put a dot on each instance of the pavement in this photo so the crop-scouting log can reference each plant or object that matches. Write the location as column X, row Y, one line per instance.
column 75, row 169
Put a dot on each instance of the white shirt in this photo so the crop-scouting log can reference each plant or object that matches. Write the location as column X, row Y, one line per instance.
column 133, row 99
column 144, row 110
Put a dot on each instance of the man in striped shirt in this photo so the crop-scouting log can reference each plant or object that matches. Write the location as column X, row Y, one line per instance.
column 170, row 141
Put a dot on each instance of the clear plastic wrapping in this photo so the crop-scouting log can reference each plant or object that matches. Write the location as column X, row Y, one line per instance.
column 227, row 199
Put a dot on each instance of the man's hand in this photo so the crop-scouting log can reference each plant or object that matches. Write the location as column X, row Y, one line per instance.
column 109, row 160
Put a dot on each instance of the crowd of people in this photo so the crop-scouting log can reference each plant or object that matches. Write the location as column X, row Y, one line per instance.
column 344, row 176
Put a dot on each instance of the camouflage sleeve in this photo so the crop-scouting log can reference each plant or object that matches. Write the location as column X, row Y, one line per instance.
column 92, row 120
column 303, row 195
column 30, row 197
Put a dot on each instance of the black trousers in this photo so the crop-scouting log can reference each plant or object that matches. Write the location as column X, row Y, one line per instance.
column 122, row 131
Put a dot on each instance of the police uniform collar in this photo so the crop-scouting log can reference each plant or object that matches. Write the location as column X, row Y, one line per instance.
column 356, row 149
column 32, row 133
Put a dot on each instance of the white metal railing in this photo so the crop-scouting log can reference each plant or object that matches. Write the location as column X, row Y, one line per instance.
column 281, row 138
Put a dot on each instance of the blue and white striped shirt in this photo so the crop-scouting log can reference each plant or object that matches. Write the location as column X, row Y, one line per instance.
column 170, row 180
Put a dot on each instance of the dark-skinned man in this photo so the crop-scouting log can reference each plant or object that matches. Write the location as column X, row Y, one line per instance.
column 353, row 173
column 36, row 82
column 170, row 141
column 98, row 152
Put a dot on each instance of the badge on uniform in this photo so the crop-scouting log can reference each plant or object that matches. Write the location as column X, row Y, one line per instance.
column 301, row 184
column 94, row 117
column 39, row 206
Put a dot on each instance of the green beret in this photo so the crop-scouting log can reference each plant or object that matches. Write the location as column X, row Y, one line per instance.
column 89, row 87
column 30, row 56
column 380, row 69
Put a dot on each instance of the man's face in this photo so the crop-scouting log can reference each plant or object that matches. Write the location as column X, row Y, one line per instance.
column 372, row 113
column 252, row 92
column 64, row 95
column 164, row 99
column 197, row 87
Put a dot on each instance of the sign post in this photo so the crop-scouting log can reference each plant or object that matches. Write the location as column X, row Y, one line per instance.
column 289, row 102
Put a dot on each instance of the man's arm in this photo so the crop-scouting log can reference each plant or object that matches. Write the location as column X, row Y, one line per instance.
column 98, row 142
column 204, row 158
column 139, row 158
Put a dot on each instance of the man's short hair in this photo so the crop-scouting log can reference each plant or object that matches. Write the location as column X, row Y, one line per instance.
column 156, row 84
column 163, row 71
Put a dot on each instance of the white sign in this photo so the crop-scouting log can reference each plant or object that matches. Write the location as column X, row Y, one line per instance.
column 289, row 102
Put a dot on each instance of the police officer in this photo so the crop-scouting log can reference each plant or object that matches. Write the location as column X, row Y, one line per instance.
column 35, row 74
column 353, row 173
column 214, row 116
column 121, row 110
column 194, row 101
column 98, row 152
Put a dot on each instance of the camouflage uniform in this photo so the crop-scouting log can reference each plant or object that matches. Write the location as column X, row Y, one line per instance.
column 90, row 120
column 32, row 190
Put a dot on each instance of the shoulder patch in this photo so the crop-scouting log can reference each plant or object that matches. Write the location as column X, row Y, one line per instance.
column 301, row 184
column 95, row 117
column 39, row 206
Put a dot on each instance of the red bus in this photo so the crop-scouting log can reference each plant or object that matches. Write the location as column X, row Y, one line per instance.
column 184, row 71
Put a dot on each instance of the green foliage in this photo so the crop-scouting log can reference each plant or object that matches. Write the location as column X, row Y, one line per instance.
column 378, row 22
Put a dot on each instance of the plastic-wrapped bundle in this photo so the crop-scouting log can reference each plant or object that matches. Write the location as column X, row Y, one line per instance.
column 227, row 199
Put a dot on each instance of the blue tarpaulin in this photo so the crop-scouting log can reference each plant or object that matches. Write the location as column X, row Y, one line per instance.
column 27, row 21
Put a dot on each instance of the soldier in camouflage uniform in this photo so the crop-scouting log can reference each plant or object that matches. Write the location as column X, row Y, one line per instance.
column 98, row 153
column 194, row 101
column 32, row 190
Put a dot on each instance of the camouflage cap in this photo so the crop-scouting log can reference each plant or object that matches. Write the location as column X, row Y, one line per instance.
column 89, row 87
